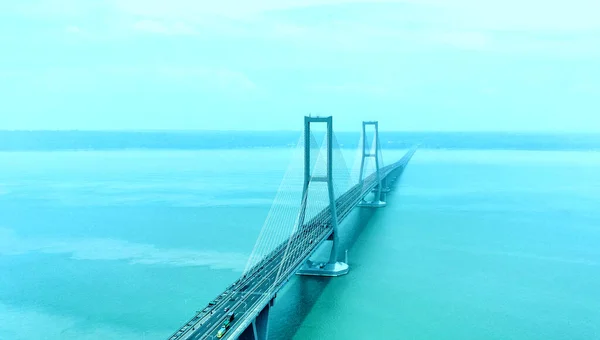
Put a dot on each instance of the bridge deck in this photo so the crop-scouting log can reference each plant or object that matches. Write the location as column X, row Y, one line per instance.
column 247, row 296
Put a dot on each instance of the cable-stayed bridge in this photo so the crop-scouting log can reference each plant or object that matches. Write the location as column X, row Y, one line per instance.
column 292, row 232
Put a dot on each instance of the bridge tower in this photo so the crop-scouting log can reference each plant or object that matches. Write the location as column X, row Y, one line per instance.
column 379, row 192
column 333, row 267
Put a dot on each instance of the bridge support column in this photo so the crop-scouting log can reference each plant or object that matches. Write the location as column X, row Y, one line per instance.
column 259, row 328
column 384, row 190
column 378, row 200
column 333, row 267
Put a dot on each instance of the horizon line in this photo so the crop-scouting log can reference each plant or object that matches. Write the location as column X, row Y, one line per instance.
column 551, row 132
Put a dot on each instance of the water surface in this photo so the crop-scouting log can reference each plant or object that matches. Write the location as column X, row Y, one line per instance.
column 127, row 244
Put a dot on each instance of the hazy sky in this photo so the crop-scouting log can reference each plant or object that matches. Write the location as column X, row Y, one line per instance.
column 263, row 64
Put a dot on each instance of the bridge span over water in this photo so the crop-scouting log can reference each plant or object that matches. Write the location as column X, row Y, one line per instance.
column 242, row 310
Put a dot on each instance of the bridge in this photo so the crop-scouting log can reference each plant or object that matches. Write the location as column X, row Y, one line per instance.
column 242, row 310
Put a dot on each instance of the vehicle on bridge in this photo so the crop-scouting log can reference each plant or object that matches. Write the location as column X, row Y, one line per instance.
column 221, row 332
column 226, row 325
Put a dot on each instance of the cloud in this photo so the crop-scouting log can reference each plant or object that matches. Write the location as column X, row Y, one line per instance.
column 352, row 89
column 69, row 78
column 532, row 15
column 585, row 87
column 195, row 10
column 383, row 25
column 468, row 40
column 469, row 14
column 73, row 29
column 220, row 78
column 573, row 15
column 157, row 26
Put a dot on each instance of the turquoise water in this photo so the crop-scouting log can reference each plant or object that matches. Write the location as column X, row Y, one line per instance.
column 128, row 244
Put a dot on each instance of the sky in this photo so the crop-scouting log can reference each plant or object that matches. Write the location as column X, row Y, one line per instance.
column 415, row 65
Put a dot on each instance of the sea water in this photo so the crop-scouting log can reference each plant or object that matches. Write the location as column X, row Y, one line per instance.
column 128, row 244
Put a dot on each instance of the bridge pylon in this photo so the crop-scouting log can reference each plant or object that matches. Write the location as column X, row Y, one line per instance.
column 382, row 188
column 333, row 267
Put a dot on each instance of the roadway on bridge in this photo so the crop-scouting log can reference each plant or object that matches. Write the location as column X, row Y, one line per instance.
column 259, row 285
